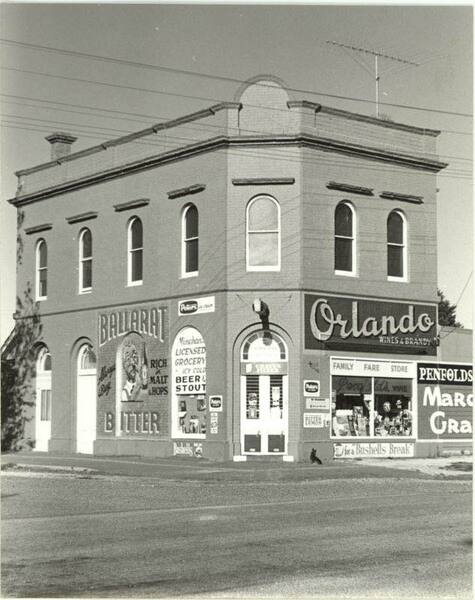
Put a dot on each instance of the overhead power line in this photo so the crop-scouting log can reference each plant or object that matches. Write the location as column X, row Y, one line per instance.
column 187, row 72
column 196, row 125
column 142, row 115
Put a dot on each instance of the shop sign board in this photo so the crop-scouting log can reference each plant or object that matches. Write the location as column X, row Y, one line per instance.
column 372, row 368
column 195, row 306
column 194, row 449
column 311, row 388
column 373, row 450
column 263, row 368
column 189, row 363
column 317, row 403
column 316, row 420
column 445, row 401
column 216, row 403
column 369, row 325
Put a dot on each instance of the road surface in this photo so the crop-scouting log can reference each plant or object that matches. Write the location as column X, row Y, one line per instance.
column 112, row 536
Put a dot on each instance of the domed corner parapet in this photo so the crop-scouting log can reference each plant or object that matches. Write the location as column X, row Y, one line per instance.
column 262, row 80
column 265, row 110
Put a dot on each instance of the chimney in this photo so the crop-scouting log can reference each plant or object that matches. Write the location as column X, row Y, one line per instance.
column 60, row 144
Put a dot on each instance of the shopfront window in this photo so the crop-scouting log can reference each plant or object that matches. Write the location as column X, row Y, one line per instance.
column 371, row 407
column 351, row 407
column 392, row 407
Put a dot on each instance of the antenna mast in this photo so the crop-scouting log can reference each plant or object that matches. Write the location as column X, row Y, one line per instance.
column 377, row 74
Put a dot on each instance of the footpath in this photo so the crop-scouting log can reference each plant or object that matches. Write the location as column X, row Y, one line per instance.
column 193, row 469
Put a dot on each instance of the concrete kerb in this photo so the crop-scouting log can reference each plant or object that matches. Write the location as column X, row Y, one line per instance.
column 187, row 469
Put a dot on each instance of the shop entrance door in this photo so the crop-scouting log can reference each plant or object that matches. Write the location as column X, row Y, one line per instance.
column 86, row 401
column 264, row 419
column 264, row 395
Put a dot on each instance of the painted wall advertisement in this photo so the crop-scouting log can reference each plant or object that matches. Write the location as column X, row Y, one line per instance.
column 132, row 383
column 369, row 325
column 373, row 450
column 196, row 306
column 189, row 384
column 445, row 401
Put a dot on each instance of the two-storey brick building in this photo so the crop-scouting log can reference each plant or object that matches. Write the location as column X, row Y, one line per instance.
column 257, row 278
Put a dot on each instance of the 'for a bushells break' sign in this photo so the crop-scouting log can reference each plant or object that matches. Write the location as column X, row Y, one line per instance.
column 445, row 401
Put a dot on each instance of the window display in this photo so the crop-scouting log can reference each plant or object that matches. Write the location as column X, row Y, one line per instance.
column 367, row 407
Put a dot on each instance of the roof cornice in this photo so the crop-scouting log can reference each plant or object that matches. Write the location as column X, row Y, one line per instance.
column 222, row 142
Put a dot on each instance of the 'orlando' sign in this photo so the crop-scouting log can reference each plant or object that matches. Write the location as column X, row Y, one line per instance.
column 369, row 325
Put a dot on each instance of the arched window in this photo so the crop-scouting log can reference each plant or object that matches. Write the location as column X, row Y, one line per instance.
column 85, row 261
column 86, row 358
column 135, row 252
column 41, row 270
column 263, row 234
column 43, row 364
column 397, row 246
column 345, row 239
column 190, row 245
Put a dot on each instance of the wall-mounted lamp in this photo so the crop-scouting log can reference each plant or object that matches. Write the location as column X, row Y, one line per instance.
column 261, row 309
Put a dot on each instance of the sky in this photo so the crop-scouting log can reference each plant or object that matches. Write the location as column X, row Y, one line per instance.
column 40, row 92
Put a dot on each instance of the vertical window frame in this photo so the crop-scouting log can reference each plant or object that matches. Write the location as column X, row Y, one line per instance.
column 405, row 267
column 130, row 252
column 39, row 269
column 185, row 240
column 354, row 265
column 83, row 259
column 278, row 231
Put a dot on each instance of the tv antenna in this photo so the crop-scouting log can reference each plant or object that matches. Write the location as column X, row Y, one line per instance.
column 376, row 73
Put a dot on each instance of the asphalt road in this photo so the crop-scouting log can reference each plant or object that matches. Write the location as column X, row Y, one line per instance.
column 144, row 537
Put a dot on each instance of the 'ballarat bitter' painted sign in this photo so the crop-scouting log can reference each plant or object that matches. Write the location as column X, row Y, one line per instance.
column 445, row 401
column 133, row 371
column 369, row 325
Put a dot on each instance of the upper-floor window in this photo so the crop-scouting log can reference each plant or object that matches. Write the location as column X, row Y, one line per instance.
column 263, row 234
column 135, row 252
column 41, row 270
column 397, row 246
column 190, row 246
column 345, row 239
column 85, row 261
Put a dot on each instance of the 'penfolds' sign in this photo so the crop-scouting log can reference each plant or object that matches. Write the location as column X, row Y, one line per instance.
column 369, row 325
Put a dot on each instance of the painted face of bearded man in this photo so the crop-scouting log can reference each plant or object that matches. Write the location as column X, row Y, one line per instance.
column 130, row 361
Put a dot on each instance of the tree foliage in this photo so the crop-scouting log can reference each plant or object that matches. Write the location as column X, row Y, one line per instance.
column 447, row 316
column 18, row 373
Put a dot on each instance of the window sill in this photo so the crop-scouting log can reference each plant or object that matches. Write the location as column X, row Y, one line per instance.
column 85, row 291
column 41, row 298
column 262, row 269
column 190, row 274
column 346, row 273
column 398, row 279
column 134, row 283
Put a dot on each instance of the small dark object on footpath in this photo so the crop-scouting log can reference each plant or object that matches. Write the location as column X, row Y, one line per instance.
column 314, row 458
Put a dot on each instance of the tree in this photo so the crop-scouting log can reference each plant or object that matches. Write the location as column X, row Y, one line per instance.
column 447, row 315
column 18, row 374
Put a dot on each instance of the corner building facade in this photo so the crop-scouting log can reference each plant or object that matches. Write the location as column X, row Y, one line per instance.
column 258, row 278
